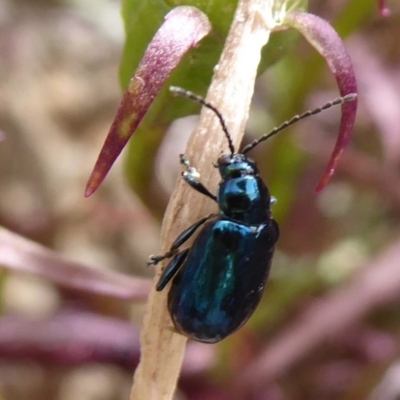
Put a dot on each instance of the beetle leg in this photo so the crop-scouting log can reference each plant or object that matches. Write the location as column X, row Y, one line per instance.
column 171, row 269
column 192, row 177
column 179, row 241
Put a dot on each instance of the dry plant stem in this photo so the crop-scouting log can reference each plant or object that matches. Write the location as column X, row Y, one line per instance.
column 375, row 285
column 230, row 91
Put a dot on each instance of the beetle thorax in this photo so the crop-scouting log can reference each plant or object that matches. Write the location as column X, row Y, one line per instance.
column 242, row 195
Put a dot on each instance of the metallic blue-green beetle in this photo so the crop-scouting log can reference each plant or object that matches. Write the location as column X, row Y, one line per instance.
column 219, row 280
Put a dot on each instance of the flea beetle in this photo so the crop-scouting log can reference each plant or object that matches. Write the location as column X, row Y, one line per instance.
column 218, row 281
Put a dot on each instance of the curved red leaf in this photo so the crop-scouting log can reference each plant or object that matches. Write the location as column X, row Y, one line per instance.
column 326, row 41
column 183, row 28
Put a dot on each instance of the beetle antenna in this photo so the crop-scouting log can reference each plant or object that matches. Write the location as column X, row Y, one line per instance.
column 199, row 99
column 296, row 118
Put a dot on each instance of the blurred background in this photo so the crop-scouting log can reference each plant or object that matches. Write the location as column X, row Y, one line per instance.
column 329, row 323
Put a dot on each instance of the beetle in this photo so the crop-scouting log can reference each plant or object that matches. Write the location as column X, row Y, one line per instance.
column 218, row 281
